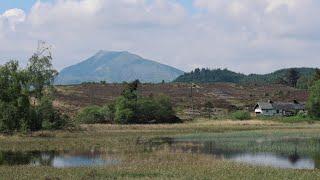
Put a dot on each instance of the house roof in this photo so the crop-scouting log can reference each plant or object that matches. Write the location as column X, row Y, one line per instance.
column 280, row 106
column 264, row 105
column 288, row 106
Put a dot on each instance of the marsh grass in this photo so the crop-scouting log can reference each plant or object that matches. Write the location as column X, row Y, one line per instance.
column 122, row 141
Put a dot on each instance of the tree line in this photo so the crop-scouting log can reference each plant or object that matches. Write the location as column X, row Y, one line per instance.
column 294, row 77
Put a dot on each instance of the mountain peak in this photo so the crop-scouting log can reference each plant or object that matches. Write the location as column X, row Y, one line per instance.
column 106, row 52
column 117, row 66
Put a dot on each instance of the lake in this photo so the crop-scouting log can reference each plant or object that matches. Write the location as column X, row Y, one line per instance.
column 291, row 153
column 57, row 159
column 279, row 152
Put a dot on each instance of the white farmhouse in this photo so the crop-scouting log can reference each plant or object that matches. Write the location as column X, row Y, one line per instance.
column 265, row 108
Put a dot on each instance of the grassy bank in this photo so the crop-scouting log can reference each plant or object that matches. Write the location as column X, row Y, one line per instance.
column 136, row 163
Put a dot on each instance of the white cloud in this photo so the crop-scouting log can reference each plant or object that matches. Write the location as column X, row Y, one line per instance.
column 244, row 35
column 13, row 17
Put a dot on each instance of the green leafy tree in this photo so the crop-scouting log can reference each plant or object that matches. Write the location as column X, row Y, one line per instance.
column 14, row 100
column 41, row 74
column 18, row 86
column 292, row 77
column 316, row 75
column 164, row 109
column 109, row 111
column 314, row 100
column 125, row 110
column 50, row 117
column 146, row 110
column 129, row 108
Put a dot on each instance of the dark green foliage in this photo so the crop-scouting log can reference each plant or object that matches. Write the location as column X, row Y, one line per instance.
column 241, row 115
column 218, row 75
column 125, row 110
column 129, row 108
column 314, row 100
column 164, row 111
column 14, row 99
column 8, row 117
column 41, row 74
column 156, row 109
column 292, row 77
column 49, row 117
column 304, row 82
column 277, row 77
column 24, row 93
column 91, row 115
column 210, row 76
column 146, row 110
column 316, row 76
column 109, row 112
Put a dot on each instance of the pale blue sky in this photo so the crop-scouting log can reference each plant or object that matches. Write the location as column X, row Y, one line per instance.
column 27, row 4
column 22, row 4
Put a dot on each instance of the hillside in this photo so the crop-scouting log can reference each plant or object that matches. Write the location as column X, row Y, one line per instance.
column 210, row 76
column 224, row 96
column 275, row 76
column 113, row 66
column 219, row 75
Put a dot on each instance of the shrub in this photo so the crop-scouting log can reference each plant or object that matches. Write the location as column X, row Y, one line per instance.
column 50, row 117
column 314, row 101
column 124, row 110
column 8, row 117
column 108, row 112
column 129, row 108
column 241, row 115
column 144, row 110
column 156, row 110
column 91, row 115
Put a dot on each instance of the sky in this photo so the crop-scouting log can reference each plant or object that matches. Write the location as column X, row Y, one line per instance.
column 248, row 36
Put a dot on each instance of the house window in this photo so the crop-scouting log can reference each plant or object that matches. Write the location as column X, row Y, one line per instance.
column 278, row 111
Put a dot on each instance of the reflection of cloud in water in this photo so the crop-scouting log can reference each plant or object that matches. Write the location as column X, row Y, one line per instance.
column 57, row 159
column 61, row 162
column 268, row 159
column 292, row 160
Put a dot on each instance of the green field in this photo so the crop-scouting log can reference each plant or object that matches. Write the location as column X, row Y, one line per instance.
column 127, row 144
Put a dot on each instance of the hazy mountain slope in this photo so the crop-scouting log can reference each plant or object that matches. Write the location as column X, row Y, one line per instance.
column 117, row 67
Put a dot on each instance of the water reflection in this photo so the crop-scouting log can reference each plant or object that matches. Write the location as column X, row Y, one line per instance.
column 56, row 159
column 256, row 153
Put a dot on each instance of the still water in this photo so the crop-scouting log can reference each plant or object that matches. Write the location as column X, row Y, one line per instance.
column 297, row 154
column 56, row 159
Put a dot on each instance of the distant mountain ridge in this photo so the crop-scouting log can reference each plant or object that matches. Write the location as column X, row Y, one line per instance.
column 117, row 66
column 225, row 75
